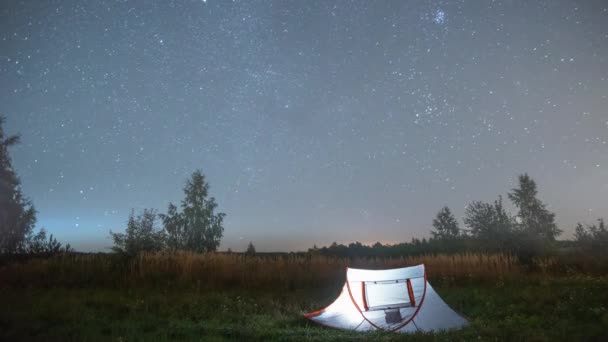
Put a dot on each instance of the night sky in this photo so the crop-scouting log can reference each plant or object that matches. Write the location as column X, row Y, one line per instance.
column 314, row 121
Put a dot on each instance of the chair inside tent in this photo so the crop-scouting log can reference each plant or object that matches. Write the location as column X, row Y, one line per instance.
column 399, row 299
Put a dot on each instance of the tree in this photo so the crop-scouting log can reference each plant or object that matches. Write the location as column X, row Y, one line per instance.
column 313, row 251
column 479, row 217
column 490, row 223
column 40, row 244
column 17, row 214
column 593, row 237
column 445, row 225
column 533, row 217
column 141, row 235
column 173, row 223
column 581, row 235
column 250, row 249
column 197, row 227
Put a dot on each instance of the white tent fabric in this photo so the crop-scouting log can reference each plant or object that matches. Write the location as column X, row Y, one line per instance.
column 399, row 299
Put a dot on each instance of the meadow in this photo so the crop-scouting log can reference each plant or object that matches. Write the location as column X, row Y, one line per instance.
column 201, row 297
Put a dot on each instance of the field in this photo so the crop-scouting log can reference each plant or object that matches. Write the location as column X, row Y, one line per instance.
column 231, row 297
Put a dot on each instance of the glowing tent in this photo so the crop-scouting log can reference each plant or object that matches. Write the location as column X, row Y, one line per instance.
column 394, row 300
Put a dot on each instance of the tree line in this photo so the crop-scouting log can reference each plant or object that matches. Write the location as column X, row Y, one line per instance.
column 195, row 226
column 489, row 227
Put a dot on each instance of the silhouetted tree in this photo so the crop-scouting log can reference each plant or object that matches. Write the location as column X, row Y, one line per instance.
column 197, row 227
column 593, row 237
column 250, row 249
column 40, row 244
column 314, row 250
column 175, row 228
column 533, row 217
column 17, row 214
column 140, row 235
column 479, row 217
column 445, row 225
column 580, row 233
column 490, row 223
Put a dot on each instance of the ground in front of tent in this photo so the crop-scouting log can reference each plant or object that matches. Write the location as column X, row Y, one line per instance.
column 539, row 310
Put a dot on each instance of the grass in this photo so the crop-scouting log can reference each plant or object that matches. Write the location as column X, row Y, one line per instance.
column 197, row 297
column 566, row 309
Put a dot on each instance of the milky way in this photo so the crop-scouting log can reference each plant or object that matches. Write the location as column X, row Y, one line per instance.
column 313, row 121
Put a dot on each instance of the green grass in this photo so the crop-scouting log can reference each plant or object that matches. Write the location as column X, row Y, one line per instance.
column 549, row 310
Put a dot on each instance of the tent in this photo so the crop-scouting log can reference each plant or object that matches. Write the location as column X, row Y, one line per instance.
column 398, row 299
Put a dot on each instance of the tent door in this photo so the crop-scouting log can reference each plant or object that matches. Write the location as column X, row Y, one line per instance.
column 392, row 316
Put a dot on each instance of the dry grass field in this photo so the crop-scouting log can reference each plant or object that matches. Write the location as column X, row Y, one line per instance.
column 211, row 270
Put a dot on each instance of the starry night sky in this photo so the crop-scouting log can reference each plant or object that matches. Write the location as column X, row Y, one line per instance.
column 314, row 121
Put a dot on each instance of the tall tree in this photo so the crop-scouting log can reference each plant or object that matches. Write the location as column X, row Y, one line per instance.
column 141, row 235
column 445, row 225
column 17, row 214
column 533, row 218
column 197, row 227
column 250, row 249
